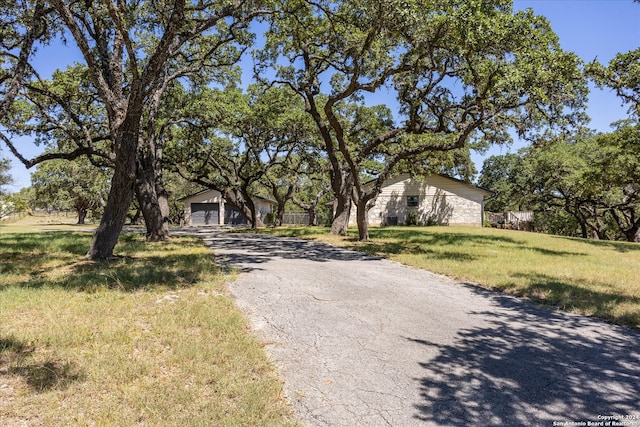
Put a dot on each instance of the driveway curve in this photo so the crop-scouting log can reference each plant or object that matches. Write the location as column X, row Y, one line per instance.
column 362, row 341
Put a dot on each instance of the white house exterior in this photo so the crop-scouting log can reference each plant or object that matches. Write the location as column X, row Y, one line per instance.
column 435, row 199
column 209, row 208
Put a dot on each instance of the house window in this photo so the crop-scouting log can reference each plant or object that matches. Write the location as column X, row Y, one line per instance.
column 412, row 201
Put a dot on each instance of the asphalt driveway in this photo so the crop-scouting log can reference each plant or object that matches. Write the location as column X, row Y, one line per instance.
column 362, row 341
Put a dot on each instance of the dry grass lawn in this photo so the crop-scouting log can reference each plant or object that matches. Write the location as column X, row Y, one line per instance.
column 149, row 339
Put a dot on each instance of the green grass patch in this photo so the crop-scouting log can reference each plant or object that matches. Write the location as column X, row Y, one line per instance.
column 150, row 338
column 40, row 221
column 596, row 278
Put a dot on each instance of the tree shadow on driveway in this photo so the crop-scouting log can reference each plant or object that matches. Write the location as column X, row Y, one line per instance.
column 245, row 251
column 525, row 365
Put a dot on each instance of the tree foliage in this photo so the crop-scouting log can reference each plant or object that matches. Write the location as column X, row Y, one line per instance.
column 623, row 75
column 461, row 73
column 25, row 24
column 5, row 176
column 357, row 90
column 6, row 206
column 586, row 185
column 132, row 51
column 71, row 185
column 237, row 142
column 505, row 176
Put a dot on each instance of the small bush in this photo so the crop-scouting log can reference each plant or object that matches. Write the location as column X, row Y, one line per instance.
column 270, row 218
column 412, row 218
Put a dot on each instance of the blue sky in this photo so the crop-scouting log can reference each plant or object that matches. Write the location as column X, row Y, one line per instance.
column 590, row 28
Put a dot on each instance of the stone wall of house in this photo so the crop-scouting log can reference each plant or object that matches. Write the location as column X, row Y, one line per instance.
column 440, row 200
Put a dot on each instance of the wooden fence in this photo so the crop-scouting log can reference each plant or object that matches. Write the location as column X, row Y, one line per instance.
column 516, row 220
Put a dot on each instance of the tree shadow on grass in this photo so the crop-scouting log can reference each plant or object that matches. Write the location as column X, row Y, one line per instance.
column 579, row 296
column 14, row 346
column 33, row 267
column 519, row 364
column 69, row 241
column 412, row 248
column 404, row 239
column 39, row 376
column 617, row 246
column 50, row 375
column 126, row 273
column 422, row 235
column 408, row 248
column 22, row 253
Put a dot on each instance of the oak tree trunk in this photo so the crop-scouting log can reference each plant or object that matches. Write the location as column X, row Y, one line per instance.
column 633, row 234
column 250, row 208
column 340, row 222
column 362, row 214
column 156, row 221
column 583, row 230
column 121, row 192
column 313, row 218
column 162, row 194
column 342, row 185
column 115, row 212
column 163, row 201
column 148, row 201
column 82, row 214
column 135, row 219
column 245, row 205
column 279, row 216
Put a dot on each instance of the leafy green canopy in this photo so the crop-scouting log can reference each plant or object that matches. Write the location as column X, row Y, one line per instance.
column 459, row 68
column 5, row 177
column 623, row 75
column 592, row 178
column 455, row 75
column 77, row 185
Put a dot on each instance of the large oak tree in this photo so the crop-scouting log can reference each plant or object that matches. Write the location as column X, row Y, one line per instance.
column 77, row 185
column 132, row 51
column 233, row 141
column 585, row 185
column 456, row 73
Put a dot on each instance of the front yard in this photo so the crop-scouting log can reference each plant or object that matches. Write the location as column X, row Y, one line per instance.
column 149, row 339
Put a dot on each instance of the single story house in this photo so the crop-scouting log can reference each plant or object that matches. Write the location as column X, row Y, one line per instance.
column 431, row 200
column 208, row 207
